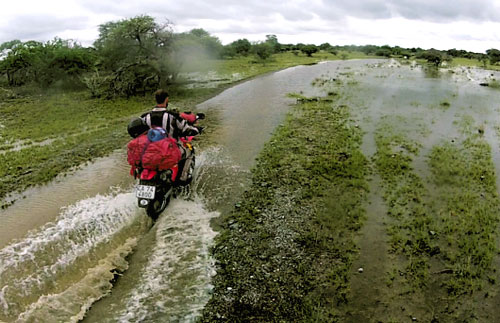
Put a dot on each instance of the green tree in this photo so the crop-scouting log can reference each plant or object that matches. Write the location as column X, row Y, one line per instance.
column 241, row 47
column 432, row 56
column 325, row 46
column 273, row 41
column 493, row 55
column 20, row 62
column 201, row 40
column 44, row 64
column 262, row 50
column 384, row 52
column 138, row 55
column 309, row 50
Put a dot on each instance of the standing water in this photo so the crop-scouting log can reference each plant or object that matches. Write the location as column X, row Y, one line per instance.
column 78, row 249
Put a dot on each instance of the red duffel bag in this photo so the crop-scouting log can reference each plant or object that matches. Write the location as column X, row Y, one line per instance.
column 161, row 155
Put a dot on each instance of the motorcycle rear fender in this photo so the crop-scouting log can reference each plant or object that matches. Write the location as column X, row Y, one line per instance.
column 175, row 171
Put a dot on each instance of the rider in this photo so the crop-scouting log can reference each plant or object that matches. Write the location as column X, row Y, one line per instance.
column 174, row 125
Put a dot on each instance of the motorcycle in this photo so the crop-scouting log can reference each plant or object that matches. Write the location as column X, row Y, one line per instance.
column 156, row 187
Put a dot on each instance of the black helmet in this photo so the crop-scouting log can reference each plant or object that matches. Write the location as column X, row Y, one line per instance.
column 137, row 127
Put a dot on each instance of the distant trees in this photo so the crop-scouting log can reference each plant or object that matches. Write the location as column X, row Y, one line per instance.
column 263, row 50
column 385, row 51
column 139, row 54
column 240, row 47
column 325, row 46
column 45, row 63
column 199, row 41
column 493, row 55
column 309, row 50
column 272, row 40
column 434, row 56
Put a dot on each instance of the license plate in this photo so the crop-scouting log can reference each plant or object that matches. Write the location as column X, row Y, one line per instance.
column 145, row 192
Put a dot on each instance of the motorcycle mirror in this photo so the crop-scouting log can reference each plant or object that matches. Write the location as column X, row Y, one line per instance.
column 200, row 116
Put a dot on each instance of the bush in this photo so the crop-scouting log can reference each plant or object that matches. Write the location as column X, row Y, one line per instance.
column 262, row 50
column 309, row 50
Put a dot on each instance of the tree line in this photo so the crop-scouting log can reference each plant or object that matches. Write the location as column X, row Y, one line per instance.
column 137, row 55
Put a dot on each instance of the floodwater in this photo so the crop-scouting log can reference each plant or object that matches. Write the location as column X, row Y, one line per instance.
column 80, row 249
column 431, row 108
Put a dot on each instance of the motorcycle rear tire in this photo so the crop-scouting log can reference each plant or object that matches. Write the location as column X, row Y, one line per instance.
column 160, row 202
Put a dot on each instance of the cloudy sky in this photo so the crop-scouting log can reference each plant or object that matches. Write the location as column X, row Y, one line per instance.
column 443, row 24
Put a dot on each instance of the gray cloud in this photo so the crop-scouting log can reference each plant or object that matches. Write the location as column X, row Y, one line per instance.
column 441, row 11
column 250, row 17
column 40, row 27
column 331, row 11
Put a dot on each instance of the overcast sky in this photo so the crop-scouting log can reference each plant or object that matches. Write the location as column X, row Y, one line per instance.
column 463, row 24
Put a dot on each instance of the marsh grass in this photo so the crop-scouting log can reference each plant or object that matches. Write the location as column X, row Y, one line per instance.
column 285, row 252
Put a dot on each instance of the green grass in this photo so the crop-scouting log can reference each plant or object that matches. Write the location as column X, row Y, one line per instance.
column 284, row 254
column 468, row 62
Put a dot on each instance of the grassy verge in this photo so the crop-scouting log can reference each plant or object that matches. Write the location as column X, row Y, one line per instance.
column 42, row 135
column 285, row 252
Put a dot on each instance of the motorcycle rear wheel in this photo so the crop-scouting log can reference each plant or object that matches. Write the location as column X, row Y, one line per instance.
column 159, row 203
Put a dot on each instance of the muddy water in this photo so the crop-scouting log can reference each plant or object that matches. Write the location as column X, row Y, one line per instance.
column 79, row 248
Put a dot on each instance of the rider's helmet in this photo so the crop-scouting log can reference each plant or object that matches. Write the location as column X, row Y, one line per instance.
column 137, row 127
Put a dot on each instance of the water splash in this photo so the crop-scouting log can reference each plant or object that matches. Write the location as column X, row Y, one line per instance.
column 50, row 260
column 175, row 283
column 72, row 304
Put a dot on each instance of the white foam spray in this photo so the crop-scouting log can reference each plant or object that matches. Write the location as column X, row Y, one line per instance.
column 49, row 261
column 175, row 283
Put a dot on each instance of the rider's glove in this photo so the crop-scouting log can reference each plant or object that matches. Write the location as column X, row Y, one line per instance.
column 200, row 129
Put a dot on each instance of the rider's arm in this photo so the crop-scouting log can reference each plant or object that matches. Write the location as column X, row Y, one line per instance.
column 185, row 128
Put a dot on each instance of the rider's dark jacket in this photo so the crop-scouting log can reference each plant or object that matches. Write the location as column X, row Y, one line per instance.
column 173, row 124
